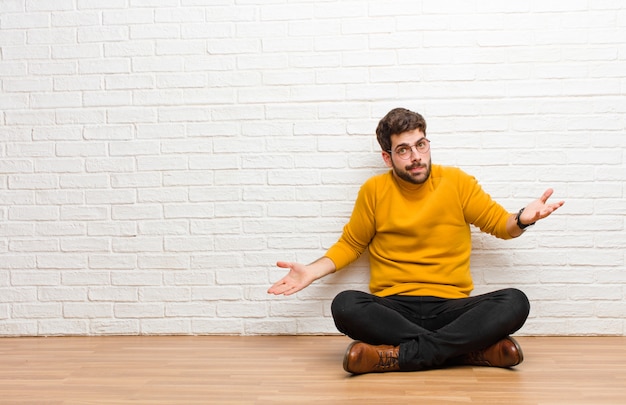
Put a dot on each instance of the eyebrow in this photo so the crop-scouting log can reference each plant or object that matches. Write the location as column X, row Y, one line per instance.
column 408, row 144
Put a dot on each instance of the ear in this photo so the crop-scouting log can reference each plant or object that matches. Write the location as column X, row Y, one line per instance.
column 387, row 159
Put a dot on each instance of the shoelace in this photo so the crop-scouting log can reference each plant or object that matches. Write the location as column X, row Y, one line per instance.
column 387, row 359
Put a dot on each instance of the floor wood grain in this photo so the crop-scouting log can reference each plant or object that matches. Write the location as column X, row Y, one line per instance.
column 293, row 370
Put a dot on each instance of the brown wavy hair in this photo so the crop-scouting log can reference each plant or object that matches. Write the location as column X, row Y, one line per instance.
column 397, row 121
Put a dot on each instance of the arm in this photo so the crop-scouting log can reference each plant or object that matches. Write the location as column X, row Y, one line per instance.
column 533, row 212
column 301, row 276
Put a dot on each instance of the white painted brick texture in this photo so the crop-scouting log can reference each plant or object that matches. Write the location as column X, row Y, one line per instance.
column 158, row 157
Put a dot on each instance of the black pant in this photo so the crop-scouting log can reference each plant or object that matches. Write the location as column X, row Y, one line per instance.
column 430, row 331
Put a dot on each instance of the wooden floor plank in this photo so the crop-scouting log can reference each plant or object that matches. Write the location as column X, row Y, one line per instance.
column 290, row 369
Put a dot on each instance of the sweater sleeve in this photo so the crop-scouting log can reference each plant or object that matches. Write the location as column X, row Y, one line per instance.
column 481, row 210
column 359, row 230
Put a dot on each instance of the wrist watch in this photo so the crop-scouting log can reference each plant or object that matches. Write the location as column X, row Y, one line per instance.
column 519, row 224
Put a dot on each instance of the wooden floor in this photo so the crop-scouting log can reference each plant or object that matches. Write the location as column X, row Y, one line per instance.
column 293, row 370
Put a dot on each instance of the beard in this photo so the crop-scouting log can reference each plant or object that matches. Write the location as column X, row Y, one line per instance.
column 413, row 178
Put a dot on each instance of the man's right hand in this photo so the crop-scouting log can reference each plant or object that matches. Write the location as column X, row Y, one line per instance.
column 300, row 275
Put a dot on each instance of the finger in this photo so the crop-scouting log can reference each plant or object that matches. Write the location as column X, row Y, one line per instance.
column 549, row 209
column 546, row 195
column 284, row 265
column 278, row 288
column 554, row 206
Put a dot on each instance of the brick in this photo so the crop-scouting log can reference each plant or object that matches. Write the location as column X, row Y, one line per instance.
column 85, row 84
column 80, row 213
column 180, row 15
column 13, row 101
column 81, row 278
column 62, row 294
column 225, row 226
column 162, row 163
column 154, row 31
column 164, row 294
column 53, row 68
column 16, row 166
column 24, row 20
column 51, row 36
column 192, row 310
column 102, row 34
column 215, row 261
column 76, row 51
column 135, row 212
column 136, row 278
column 251, row 276
column 59, row 165
column 80, row 116
column 29, row 118
column 308, row 325
column 217, row 326
column 184, row 244
column 123, row 228
column 115, row 294
column 39, row 213
column 165, row 326
column 172, row 194
column 35, row 278
column 127, row 17
column 70, row 18
column 64, row 261
column 112, row 262
column 83, row 244
column 271, row 326
column 114, row 327
column 241, row 310
column 33, row 245
column 87, row 310
column 83, row 181
column 62, row 327
column 138, row 311
column 164, row 262
column 18, row 328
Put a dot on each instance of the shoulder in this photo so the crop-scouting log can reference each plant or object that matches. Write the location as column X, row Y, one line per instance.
column 379, row 180
column 376, row 185
column 453, row 177
column 451, row 173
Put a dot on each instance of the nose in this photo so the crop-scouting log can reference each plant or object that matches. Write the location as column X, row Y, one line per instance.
column 415, row 155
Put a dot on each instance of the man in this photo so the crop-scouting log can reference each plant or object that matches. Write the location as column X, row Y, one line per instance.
column 415, row 222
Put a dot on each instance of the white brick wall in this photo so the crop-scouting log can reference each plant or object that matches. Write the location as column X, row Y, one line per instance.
column 159, row 156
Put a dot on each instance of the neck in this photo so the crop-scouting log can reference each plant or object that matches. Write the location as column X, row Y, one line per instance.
column 408, row 185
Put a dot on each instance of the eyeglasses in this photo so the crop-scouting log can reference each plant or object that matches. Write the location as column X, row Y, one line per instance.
column 404, row 151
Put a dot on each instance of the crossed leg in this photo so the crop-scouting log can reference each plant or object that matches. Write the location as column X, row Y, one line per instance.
column 430, row 331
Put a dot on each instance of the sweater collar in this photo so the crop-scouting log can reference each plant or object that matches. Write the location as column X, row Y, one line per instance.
column 410, row 188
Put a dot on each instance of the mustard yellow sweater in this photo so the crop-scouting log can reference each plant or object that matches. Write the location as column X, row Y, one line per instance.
column 418, row 236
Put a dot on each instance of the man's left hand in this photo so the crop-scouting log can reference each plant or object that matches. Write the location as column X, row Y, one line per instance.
column 539, row 208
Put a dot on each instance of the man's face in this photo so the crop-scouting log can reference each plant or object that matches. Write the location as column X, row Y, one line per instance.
column 416, row 167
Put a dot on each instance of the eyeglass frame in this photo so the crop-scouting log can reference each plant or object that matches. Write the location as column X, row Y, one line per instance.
column 408, row 155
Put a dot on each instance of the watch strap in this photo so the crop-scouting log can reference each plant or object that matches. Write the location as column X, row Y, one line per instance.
column 519, row 224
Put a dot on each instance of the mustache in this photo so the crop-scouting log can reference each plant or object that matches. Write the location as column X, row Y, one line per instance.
column 415, row 166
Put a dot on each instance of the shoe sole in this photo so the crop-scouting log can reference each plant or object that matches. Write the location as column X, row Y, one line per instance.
column 519, row 350
column 346, row 357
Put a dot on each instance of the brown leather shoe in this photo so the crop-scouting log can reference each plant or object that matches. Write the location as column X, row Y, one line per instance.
column 505, row 353
column 362, row 358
